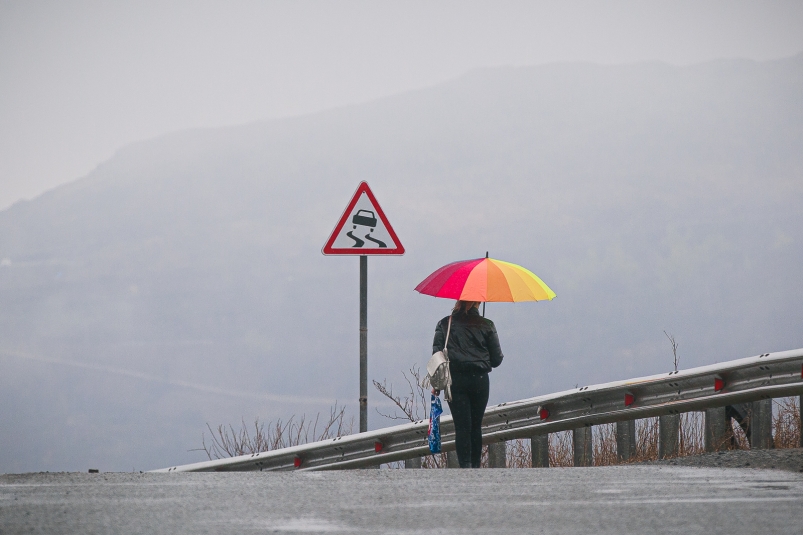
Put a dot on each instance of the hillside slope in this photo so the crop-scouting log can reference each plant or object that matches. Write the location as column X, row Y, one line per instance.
column 182, row 281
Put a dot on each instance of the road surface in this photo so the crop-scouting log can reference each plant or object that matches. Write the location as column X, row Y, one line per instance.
column 611, row 500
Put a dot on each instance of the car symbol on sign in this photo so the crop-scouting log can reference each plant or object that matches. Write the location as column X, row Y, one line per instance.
column 368, row 221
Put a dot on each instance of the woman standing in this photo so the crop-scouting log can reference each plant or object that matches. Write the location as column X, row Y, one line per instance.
column 473, row 351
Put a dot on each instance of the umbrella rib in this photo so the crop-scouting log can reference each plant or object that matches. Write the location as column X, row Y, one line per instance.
column 531, row 281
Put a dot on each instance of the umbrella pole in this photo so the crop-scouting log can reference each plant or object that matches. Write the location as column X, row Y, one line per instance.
column 483, row 303
column 363, row 344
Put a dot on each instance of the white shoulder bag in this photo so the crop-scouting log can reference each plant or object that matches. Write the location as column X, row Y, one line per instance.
column 438, row 368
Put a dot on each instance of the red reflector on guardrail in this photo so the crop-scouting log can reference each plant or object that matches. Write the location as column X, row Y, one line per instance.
column 297, row 462
column 629, row 399
column 719, row 384
column 378, row 446
column 543, row 413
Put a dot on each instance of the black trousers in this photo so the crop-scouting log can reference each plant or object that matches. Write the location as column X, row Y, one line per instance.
column 469, row 399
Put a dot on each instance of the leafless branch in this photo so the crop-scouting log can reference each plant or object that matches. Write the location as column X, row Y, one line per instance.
column 674, row 348
column 226, row 441
column 414, row 406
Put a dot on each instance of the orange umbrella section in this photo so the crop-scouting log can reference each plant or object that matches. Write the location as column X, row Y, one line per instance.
column 487, row 280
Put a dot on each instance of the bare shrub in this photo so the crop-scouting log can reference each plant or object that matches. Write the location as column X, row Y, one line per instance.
column 413, row 406
column 226, row 441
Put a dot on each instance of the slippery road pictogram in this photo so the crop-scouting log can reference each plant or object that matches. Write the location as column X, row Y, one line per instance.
column 381, row 244
column 357, row 241
column 364, row 218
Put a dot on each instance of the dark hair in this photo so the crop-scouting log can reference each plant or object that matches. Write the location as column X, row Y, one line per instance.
column 462, row 307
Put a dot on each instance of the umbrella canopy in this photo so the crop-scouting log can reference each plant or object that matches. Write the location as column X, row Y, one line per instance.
column 485, row 279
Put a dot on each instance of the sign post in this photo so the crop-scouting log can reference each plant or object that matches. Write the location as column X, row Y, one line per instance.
column 363, row 343
column 363, row 230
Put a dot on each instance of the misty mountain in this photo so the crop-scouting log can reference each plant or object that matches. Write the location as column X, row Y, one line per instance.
column 182, row 281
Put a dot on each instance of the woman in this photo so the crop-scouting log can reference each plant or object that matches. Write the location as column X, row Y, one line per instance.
column 473, row 350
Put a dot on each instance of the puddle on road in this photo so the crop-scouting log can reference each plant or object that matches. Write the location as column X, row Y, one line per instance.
column 306, row 525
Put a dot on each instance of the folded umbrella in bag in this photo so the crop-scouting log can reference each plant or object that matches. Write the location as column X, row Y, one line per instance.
column 434, row 433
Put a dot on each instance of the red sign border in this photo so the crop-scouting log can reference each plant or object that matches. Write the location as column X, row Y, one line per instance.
column 329, row 250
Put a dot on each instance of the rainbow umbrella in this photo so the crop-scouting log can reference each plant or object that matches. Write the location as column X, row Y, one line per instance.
column 485, row 279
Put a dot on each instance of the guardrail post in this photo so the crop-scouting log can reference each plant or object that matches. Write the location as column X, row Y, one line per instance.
column 539, row 445
column 415, row 462
column 761, row 425
column 581, row 438
column 451, row 460
column 497, row 455
column 716, row 430
column 668, row 435
column 625, row 440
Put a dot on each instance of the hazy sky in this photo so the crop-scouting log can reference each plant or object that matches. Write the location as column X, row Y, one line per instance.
column 80, row 79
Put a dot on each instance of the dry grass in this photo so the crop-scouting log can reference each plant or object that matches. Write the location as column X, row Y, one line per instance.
column 786, row 422
column 646, row 440
column 691, row 438
column 561, row 449
column 604, row 445
column 519, row 454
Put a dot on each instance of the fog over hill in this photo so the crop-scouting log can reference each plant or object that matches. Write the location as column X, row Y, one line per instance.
column 182, row 281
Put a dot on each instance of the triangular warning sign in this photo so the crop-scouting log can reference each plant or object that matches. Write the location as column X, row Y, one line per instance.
column 363, row 228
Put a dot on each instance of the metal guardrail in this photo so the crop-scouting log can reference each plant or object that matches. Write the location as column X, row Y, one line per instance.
column 750, row 379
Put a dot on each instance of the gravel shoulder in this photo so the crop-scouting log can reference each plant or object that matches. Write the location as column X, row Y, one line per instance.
column 785, row 459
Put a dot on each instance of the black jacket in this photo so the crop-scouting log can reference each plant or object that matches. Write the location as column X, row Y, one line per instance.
column 473, row 343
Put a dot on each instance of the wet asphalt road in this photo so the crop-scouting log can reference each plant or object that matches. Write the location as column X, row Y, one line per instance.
column 615, row 500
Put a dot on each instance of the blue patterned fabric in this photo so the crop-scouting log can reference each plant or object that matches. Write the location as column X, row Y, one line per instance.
column 434, row 434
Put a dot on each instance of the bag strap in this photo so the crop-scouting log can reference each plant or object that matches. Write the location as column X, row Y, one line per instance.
column 448, row 330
